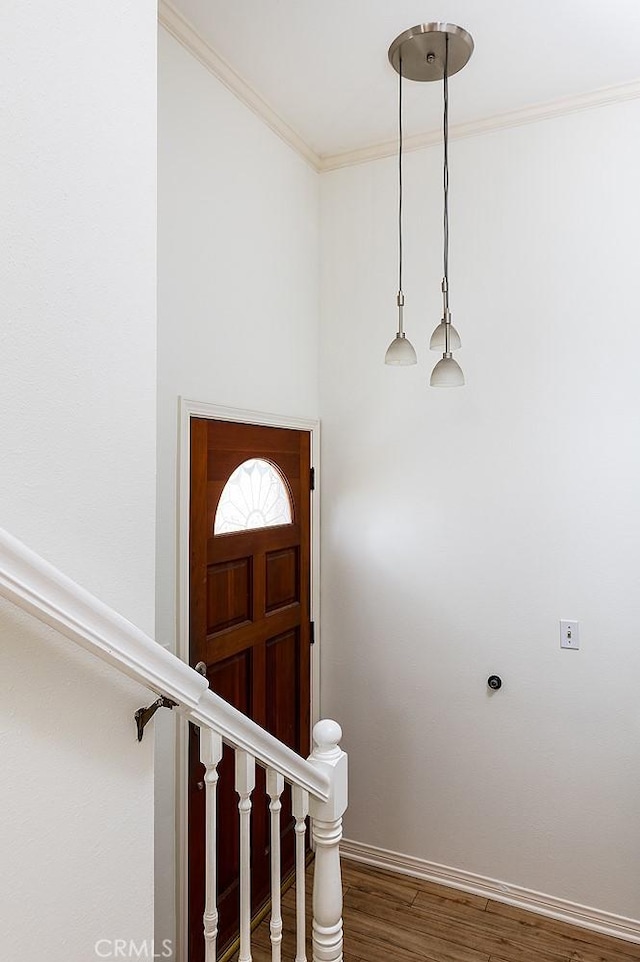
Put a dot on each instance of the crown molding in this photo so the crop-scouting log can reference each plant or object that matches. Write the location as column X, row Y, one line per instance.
column 535, row 113
column 186, row 34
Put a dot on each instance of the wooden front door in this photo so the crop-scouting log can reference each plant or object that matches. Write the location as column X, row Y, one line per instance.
column 249, row 624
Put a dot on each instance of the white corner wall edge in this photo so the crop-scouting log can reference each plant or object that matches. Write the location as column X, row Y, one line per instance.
column 606, row 923
column 187, row 35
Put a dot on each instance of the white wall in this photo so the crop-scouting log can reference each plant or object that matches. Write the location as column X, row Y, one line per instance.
column 237, row 302
column 77, row 394
column 459, row 526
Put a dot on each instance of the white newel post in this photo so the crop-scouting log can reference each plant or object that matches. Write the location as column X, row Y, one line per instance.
column 326, row 828
column 210, row 755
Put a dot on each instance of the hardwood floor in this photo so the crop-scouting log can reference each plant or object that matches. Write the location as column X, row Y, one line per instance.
column 392, row 918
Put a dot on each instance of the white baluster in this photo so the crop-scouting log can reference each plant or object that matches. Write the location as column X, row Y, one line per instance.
column 327, row 832
column 210, row 755
column 245, row 783
column 300, row 807
column 275, row 787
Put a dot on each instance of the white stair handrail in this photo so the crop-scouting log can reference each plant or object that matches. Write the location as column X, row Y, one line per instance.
column 36, row 586
column 39, row 588
column 244, row 735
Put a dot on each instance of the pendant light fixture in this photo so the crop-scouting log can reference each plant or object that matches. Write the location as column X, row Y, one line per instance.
column 431, row 52
column 401, row 350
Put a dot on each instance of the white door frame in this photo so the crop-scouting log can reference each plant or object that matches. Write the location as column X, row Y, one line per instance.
column 201, row 409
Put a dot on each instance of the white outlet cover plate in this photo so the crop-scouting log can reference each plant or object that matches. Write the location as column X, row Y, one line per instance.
column 570, row 634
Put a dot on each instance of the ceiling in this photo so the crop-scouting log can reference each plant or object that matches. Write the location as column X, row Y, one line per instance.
column 322, row 68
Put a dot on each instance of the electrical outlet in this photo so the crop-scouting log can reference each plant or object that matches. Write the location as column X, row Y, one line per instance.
column 569, row 634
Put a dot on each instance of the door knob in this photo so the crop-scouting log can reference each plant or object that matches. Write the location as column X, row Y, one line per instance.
column 201, row 668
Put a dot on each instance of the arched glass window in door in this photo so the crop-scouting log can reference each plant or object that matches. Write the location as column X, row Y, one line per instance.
column 255, row 496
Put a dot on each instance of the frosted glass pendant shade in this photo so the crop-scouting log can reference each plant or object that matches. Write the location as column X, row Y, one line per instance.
column 400, row 352
column 438, row 342
column 447, row 373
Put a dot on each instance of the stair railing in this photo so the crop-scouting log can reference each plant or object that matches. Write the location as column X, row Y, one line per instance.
column 318, row 784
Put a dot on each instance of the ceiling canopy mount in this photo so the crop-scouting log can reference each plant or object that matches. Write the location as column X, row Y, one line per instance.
column 423, row 50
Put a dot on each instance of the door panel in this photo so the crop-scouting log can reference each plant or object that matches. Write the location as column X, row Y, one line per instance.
column 282, row 569
column 249, row 611
column 283, row 668
column 229, row 594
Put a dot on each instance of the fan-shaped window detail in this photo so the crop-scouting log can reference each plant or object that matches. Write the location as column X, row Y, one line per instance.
column 255, row 496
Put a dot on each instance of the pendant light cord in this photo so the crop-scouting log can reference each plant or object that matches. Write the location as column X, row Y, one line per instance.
column 445, row 126
column 400, row 178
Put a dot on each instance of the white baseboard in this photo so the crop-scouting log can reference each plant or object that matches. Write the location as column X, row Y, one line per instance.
column 554, row 908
